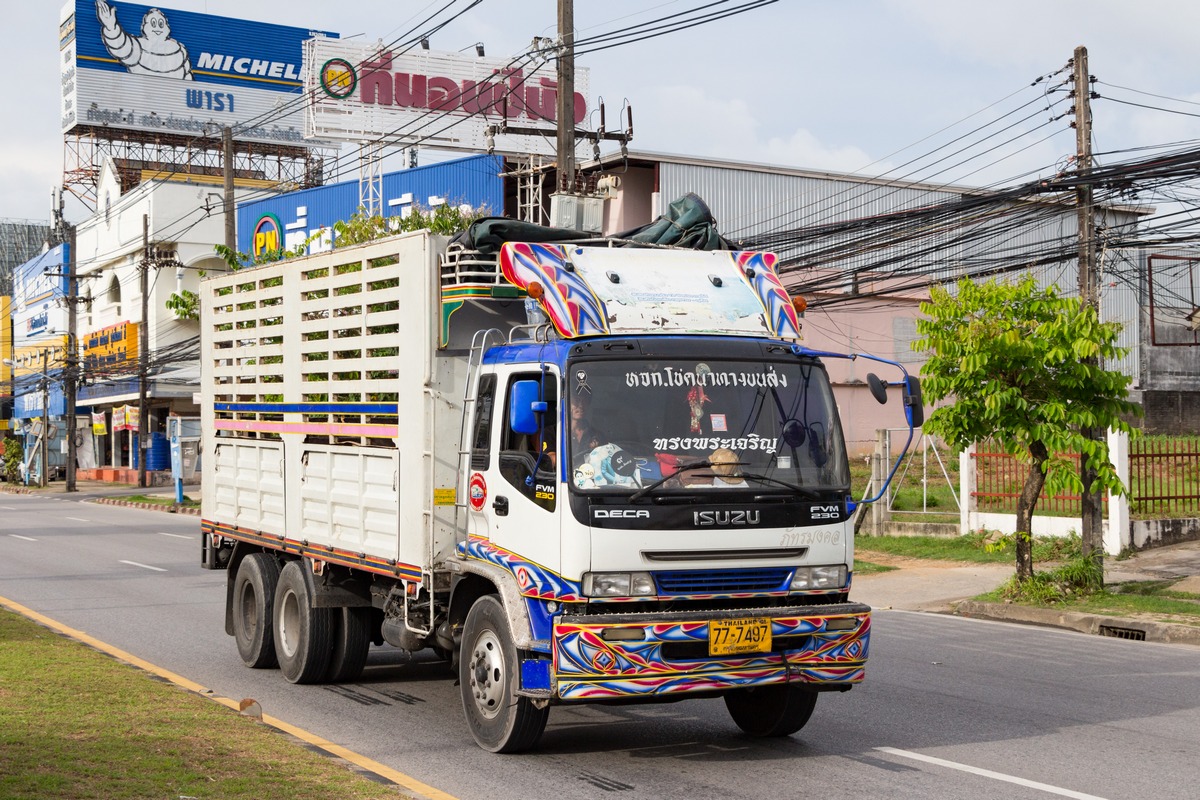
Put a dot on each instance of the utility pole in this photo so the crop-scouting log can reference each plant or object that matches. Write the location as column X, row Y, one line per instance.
column 230, row 220
column 45, row 449
column 143, row 355
column 566, row 96
column 1089, row 288
column 70, row 376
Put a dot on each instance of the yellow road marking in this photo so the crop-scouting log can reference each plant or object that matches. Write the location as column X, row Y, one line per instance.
column 382, row 770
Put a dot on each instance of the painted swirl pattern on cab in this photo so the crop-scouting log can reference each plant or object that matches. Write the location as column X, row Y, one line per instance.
column 758, row 269
column 568, row 299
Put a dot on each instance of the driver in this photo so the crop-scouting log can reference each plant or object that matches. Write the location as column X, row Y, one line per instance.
column 583, row 437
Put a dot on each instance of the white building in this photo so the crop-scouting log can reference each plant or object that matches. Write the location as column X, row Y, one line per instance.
column 180, row 221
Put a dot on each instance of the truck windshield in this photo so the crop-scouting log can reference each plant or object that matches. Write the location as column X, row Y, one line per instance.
column 703, row 425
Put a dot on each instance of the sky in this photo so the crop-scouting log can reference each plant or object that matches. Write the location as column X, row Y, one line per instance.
column 835, row 86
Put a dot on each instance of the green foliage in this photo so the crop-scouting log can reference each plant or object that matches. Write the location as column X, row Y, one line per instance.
column 12, row 460
column 445, row 220
column 1012, row 357
column 184, row 305
column 942, row 548
column 1024, row 367
column 1080, row 576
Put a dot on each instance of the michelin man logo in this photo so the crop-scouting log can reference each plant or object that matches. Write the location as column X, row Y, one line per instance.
column 152, row 53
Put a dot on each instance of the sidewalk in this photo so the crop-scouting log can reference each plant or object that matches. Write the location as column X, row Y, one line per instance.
column 946, row 588
column 112, row 494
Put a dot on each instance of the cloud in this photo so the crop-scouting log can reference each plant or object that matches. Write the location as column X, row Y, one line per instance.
column 729, row 129
column 803, row 149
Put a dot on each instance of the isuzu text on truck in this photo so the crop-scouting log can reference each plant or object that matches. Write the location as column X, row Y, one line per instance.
column 641, row 495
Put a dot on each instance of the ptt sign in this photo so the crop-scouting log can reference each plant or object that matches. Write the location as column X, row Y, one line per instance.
column 268, row 235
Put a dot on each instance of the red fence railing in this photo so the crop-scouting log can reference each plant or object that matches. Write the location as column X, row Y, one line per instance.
column 1164, row 479
column 1164, row 475
column 998, row 481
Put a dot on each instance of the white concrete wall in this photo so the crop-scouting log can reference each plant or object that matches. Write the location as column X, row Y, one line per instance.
column 1117, row 530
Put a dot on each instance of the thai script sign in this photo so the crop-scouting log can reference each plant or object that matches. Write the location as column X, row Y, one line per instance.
column 135, row 67
column 360, row 91
column 113, row 347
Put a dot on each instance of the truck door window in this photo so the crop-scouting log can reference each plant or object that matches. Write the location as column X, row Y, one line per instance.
column 527, row 461
column 481, row 438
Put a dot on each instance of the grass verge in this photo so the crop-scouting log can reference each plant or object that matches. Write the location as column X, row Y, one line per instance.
column 161, row 500
column 868, row 568
column 76, row 723
column 1077, row 585
column 982, row 547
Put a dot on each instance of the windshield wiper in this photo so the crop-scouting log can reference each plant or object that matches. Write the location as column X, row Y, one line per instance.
column 801, row 490
column 640, row 493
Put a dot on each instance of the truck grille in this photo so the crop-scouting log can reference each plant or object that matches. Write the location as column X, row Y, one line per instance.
column 723, row 581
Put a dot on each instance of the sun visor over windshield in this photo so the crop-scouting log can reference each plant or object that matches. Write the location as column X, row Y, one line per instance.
column 593, row 291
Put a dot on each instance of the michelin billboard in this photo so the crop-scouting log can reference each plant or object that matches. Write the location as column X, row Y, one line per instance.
column 142, row 68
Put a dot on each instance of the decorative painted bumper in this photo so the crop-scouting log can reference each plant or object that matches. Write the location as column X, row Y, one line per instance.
column 590, row 667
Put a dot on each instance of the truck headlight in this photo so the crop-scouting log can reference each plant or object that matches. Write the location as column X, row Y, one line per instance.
column 808, row 578
column 618, row 584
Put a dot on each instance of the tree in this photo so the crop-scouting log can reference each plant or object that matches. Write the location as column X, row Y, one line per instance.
column 362, row 227
column 1024, row 367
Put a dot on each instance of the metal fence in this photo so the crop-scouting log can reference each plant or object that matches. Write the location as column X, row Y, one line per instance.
column 1164, row 475
column 1164, row 479
column 1000, row 476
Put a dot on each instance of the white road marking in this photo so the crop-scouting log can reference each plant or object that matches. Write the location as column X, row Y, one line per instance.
column 77, row 519
column 23, row 538
column 175, row 535
column 143, row 566
column 8, row 508
column 987, row 773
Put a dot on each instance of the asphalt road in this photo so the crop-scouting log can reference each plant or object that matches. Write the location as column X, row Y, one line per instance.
column 951, row 707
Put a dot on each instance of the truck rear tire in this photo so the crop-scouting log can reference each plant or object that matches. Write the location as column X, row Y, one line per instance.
column 489, row 675
column 770, row 711
column 351, row 642
column 303, row 634
column 253, row 601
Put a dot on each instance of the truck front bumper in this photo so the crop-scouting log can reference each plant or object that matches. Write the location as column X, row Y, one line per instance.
column 598, row 657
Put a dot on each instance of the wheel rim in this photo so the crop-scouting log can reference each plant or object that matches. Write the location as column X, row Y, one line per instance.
column 289, row 624
column 485, row 674
column 249, row 609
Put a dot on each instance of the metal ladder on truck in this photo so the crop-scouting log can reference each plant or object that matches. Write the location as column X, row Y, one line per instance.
column 479, row 345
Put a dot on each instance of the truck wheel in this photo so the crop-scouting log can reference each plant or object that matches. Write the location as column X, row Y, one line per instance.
column 351, row 641
column 253, row 600
column 303, row 634
column 488, row 673
column 767, row 711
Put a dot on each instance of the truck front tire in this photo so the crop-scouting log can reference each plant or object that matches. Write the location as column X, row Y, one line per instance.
column 769, row 711
column 303, row 634
column 489, row 675
column 253, row 601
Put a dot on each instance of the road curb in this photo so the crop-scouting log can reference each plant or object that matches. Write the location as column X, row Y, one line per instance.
column 170, row 509
column 1094, row 624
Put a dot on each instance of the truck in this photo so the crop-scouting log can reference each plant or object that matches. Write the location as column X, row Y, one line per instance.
column 581, row 472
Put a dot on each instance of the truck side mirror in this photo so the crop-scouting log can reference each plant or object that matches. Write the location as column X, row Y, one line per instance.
column 914, row 406
column 878, row 390
column 524, row 405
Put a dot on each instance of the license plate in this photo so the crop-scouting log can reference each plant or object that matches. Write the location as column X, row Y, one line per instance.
column 732, row 636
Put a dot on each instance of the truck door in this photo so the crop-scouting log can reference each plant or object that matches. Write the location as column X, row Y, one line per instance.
column 519, row 485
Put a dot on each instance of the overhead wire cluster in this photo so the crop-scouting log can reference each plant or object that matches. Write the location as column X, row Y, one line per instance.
column 431, row 123
column 844, row 250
